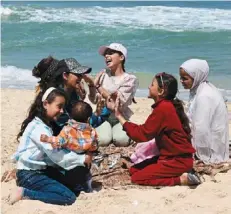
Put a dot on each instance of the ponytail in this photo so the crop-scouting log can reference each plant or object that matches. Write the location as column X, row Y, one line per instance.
column 179, row 106
column 123, row 67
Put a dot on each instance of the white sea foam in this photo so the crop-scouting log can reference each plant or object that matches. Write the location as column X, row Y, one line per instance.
column 13, row 77
column 140, row 17
column 5, row 11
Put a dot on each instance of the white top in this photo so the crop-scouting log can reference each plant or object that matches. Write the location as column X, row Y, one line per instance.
column 208, row 115
column 125, row 85
column 32, row 154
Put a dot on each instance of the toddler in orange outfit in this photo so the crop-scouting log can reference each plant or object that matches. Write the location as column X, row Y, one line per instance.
column 78, row 135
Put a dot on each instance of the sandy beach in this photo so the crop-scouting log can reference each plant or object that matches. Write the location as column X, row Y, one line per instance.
column 209, row 197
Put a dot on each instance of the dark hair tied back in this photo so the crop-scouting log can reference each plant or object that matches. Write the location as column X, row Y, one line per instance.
column 170, row 87
column 49, row 72
column 42, row 66
column 179, row 106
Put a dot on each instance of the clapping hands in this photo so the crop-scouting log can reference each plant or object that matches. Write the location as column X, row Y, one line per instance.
column 100, row 105
column 98, row 80
column 113, row 103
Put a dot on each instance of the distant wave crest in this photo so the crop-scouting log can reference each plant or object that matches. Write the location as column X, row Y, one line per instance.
column 140, row 17
column 5, row 11
column 13, row 77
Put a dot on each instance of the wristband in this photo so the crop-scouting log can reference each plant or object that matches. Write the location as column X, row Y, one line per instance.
column 98, row 86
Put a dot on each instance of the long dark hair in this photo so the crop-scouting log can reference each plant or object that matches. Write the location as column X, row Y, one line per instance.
column 37, row 110
column 123, row 67
column 170, row 86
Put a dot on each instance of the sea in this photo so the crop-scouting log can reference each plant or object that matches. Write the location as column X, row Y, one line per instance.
column 159, row 36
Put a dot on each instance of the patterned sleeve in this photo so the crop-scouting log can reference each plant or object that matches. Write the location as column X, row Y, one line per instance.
column 63, row 136
column 128, row 89
column 62, row 157
column 94, row 137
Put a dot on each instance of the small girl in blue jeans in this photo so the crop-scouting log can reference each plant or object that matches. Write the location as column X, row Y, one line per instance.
column 54, row 176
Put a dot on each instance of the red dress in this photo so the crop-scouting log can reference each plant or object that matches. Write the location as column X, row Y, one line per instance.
column 174, row 145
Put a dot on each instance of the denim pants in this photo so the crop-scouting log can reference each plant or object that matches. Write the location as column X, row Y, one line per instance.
column 51, row 186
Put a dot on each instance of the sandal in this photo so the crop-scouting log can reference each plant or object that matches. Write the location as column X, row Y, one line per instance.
column 193, row 179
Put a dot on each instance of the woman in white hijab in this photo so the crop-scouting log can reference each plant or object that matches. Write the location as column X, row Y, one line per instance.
column 207, row 112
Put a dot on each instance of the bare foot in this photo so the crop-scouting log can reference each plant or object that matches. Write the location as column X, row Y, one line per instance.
column 125, row 163
column 184, row 179
column 16, row 195
column 9, row 175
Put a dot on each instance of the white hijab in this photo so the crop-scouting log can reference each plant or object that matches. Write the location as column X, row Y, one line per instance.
column 209, row 131
column 198, row 69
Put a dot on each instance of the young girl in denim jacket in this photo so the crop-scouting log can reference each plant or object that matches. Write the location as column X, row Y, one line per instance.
column 43, row 173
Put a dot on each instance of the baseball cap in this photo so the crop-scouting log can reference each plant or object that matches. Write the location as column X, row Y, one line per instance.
column 75, row 67
column 114, row 46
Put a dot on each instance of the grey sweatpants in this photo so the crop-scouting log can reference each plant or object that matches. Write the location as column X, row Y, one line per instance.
column 112, row 133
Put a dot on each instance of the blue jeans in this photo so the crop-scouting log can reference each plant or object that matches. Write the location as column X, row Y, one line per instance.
column 51, row 186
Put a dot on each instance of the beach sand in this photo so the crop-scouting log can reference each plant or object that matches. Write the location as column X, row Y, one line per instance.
column 209, row 197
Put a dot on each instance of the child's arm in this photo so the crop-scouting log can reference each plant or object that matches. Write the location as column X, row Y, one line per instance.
column 55, row 141
column 97, row 120
column 147, row 131
column 62, row 157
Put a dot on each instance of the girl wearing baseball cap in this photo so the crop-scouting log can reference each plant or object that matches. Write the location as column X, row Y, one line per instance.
column 114, row 82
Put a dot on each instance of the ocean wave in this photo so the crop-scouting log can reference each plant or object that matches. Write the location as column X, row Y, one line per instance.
column 5, row 11
column 139, row 17
column 13, row 77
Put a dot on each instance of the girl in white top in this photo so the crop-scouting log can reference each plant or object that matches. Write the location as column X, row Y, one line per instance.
column 207, row 113
column 54, row 176
column 113, row 82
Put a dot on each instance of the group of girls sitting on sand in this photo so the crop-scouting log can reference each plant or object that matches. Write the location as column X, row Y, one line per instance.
column 61, row 132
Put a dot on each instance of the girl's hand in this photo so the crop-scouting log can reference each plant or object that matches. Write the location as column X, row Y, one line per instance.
column 118, row 113
column 88, row 160
column 80, row 90
column 111, row 101
column 44, row 138
column 117, row 107
column 56, row 145
column 100, row 105
column 88, row 79
column 98, row 77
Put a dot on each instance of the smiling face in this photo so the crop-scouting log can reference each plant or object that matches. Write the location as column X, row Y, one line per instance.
column 55, row 108
column 185, row 79
column 113, row 59
column 71, row 80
